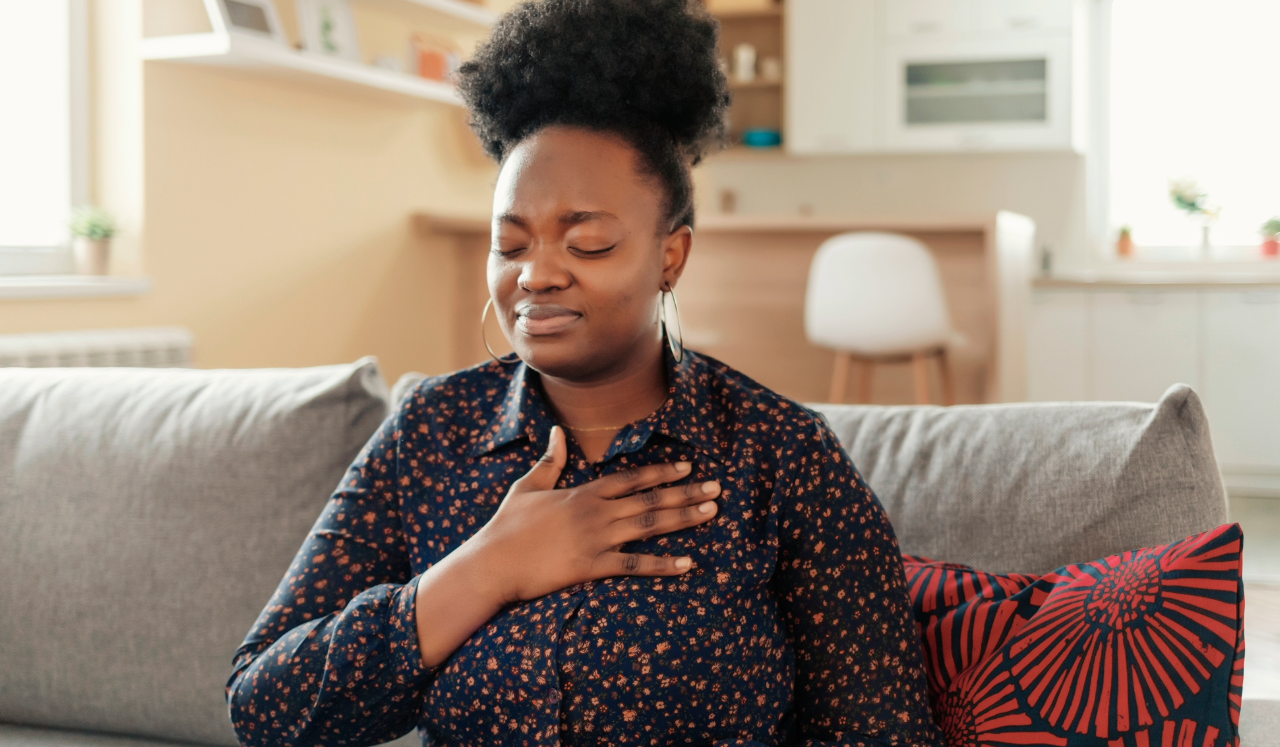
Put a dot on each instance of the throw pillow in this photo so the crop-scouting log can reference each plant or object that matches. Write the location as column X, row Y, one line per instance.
column 1141, row 649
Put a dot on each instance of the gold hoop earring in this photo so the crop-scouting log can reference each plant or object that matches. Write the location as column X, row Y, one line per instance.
column 677, row 346
column 483, row 316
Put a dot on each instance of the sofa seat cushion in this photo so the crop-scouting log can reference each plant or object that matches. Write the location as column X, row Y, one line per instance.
column 27, row 736
column 146, row 517
column 1142, row 648
column 1025, row 488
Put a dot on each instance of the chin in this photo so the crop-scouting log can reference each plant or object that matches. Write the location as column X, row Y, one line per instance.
column 562, row 357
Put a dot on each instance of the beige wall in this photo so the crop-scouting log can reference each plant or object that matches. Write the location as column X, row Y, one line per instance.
column 273, row 217
column 276, row 214
column 1048, row 187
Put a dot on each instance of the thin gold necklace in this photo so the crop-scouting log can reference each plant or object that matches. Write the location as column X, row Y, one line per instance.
column 590, row 430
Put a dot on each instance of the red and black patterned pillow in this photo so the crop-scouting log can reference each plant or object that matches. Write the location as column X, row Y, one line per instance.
column 1144, row 649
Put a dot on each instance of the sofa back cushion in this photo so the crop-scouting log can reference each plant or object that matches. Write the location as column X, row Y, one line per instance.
column 1025, row 488
column 146, row 517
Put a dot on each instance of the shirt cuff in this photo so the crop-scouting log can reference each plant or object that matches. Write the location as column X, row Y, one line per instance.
column 402, row 640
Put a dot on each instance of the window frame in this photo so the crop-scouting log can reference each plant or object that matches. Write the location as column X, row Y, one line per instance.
column 57, row 259
column 1099, row 229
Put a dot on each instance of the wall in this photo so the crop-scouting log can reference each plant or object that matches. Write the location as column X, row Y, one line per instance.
column 1047, row 187
column 272, row 217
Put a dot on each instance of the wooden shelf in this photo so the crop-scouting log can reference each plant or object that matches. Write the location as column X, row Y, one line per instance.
column 458, row 9
column 247, row 53
column 735, row 15
column 755, row 85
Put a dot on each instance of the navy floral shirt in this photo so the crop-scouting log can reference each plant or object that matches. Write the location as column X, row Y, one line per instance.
column 792, row 628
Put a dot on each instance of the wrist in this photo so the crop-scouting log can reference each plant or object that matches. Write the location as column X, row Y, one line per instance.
column 482, row 565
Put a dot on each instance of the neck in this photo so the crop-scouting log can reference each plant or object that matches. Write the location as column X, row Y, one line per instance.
column 631, row 393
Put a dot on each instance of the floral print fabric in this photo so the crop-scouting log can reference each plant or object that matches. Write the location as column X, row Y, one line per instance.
column 793, row 627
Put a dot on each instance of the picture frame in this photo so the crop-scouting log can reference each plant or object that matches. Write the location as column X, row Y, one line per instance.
column 252, row 18
column 329, row 28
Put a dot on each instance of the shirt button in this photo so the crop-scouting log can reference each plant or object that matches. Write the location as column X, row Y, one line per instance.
column 554, row 696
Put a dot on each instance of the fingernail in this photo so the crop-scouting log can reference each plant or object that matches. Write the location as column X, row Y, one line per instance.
column 710, row 487
column 683, row 466
column 682, row 564
column 706, row 508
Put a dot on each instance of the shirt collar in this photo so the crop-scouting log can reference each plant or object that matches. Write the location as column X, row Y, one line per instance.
column 689, row 413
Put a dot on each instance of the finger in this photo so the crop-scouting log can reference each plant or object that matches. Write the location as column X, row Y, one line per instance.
column 634, row 479
column 664, row 521
column 659, row 498
column 546, row 471
column 636, row 564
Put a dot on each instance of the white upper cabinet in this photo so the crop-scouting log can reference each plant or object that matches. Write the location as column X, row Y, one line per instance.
column 935, row 75
column 977, row 94
column 1024, row 16
column 927, row 19
column 831, row 76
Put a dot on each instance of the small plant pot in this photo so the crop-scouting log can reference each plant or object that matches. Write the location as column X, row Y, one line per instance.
column 91, row 256
column 1271, row 247
column 1124, row 245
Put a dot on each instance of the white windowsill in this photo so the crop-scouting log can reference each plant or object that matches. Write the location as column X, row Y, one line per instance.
column 71, row 286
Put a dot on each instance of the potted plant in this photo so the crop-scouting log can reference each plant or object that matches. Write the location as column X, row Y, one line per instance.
column 1270, row 242
column 1190, row 199
column 1124, row 244
column 92, row 229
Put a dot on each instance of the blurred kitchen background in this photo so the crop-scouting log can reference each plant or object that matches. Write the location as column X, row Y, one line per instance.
column 250, row 183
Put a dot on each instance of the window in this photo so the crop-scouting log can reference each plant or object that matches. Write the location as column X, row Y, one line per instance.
column 1193, row 94
column 41, row 133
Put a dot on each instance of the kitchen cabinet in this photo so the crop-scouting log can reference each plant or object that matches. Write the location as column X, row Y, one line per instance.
column 1058, row 347
column 977, row 94
column 831, row 76
column 926, row 18
column 935, row 75
column 1130, row 343
column 1242, row 374
column 1143, row 342
column 1024, row 16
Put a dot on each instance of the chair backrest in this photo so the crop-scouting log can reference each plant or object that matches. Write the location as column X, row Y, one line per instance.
column 875, row 294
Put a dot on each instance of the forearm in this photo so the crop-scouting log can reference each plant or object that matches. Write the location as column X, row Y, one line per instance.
column 357, row 672
column 455, row 598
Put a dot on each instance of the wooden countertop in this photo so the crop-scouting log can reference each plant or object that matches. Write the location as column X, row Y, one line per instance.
column 1140, row 280
column 742, row 223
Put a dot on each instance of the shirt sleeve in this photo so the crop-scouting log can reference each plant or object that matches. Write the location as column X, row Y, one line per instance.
column 334, row 659
column 843, row 596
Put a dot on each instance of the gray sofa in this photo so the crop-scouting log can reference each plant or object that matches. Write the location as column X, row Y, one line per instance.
column 147, row 515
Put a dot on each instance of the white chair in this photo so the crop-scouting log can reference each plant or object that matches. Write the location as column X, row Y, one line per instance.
column 878, row 298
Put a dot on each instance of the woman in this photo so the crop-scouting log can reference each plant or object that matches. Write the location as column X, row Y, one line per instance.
column 607, row 540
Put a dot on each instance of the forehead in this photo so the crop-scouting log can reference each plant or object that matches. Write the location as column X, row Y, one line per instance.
column 564, row 169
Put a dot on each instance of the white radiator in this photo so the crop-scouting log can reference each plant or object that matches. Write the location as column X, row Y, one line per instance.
column 151, row 347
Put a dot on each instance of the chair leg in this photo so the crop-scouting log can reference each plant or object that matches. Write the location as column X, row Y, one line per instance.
column 948, row 386
column 865, row 368
column 919, row 363
column 840, row 377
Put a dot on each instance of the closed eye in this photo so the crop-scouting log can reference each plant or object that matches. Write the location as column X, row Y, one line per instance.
column 592, row 252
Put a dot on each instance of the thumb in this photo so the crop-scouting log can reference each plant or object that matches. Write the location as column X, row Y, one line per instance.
column 546, row 472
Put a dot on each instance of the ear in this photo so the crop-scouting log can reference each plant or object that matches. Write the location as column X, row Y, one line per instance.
column 675, row 254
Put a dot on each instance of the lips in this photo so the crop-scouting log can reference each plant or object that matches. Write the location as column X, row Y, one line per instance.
column 538, row 320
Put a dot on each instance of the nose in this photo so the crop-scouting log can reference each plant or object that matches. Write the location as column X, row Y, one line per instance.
column 543, row 271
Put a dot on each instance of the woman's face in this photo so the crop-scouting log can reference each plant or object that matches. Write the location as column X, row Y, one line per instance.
column 579, row 254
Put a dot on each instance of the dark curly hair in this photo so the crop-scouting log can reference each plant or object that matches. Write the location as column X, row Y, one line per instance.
column 645, row 70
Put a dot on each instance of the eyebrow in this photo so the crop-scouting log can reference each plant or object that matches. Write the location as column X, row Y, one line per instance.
column 571, row 219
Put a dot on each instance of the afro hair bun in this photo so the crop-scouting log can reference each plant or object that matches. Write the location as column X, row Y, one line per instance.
column 628, row 66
